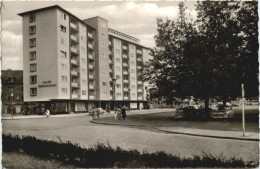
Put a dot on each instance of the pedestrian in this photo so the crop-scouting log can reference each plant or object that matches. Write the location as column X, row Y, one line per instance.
column 47, row 113
column 92, row 112
column 123, row 112
column 97, row 113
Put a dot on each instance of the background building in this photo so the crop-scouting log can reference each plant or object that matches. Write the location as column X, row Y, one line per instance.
column 73, row 65
column 12, row 91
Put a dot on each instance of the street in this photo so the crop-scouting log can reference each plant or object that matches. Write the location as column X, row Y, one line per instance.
column 80, row 130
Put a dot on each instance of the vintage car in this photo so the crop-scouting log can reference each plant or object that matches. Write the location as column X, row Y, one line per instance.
column 223, row 112
column 192, row 112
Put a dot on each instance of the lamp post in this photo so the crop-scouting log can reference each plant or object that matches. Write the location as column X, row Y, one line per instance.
column 243, row 109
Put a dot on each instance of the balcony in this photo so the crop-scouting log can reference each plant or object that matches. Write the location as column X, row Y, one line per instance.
column 90, row 46
column 124, row 56
column 110, row 61
column 91, row 87
column 124, row 47
column 125, row 73
column 90, row 35
column 74, row 62
column 91, row 76
column 139, row 82
column 125, row 97
column 91, row 67
column 140, row 90
column 139, row 59
column 126, row 89
column 111, row 98
column 91, row 97
column 74, row 50
column 139, row 67
column 74, row 38
column 110, row 43
column 111, row 88
column 125, row 64
column 125, row 81
column 74, row 73
column 90, row 57
column 110, row 71
column 74, row 85
column 138, row 51
column 74, row 96
column 140, row 98
column 110, row 52
column 73, row 26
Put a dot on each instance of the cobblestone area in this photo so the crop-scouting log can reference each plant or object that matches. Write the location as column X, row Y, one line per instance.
column 81, row 130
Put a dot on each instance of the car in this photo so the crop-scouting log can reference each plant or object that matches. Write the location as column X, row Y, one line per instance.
column 192, row 112
column 223, row 112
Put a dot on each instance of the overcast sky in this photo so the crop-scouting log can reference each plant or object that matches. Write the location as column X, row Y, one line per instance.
column 137, row 19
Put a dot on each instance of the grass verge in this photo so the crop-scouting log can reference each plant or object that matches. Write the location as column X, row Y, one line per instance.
column 106, row 156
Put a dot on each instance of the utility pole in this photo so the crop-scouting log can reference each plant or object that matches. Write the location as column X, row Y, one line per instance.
column 243, row 109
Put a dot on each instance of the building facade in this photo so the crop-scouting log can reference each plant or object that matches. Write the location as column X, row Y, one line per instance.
column 12, row 91
column 73, row 65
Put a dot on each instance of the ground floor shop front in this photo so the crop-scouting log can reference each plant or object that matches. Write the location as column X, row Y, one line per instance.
column 77, row 106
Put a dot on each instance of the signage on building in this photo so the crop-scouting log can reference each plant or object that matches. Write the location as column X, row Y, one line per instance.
column 47, row 84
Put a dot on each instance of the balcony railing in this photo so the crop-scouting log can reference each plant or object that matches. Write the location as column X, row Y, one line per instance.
column 110, row 61
column 110, row 43
column 139, row 59
column 110, row 53
column 138, row 51
column 74, row 50
column 139, row 82
column 125, row 98
column 74, row 38
column 126, row 89
column 74, row 73
column 90, row 46
column 125, row 64
column 91, row 87
column 124, row 47
column 139, row 67
column 125, row 56
column 125, row 73
column 74, row 62
column 111, row 88
column 140, row 98
column 91, row 76
column 125, row 81
column 72, row 25
column 75, row 85
column 91, row 97
column 75, row 96
column 91, row 67
column 90, row 35
column 111, row 98
column 140, row 90
column 90, row 57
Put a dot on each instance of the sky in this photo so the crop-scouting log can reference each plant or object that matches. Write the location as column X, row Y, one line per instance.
column 135, row 18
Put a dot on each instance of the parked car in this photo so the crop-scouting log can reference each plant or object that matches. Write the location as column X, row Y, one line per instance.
column 192, row 112
column 223, row 112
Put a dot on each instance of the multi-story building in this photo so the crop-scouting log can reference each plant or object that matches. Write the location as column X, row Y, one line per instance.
column 77, row 64
column 12, row 91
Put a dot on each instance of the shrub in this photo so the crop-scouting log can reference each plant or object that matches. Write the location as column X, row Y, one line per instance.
column 106, row 156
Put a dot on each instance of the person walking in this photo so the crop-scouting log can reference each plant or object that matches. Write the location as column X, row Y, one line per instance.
column 47, row 113
column 123, row 112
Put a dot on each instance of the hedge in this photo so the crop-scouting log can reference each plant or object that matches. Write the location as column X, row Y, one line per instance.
column 105, row 156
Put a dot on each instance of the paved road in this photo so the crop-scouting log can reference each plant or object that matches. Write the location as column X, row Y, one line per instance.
column 81, row 130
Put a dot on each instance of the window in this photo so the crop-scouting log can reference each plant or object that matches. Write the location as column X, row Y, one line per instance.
column 10, row 89
column 64, row 66
column 62, row 28
column 33, row 42
column 133, row 78
column 84, row 82
column 33, row 67
column 104, row 74
column 133, row 86
column 63, row 41
column 103, row 55
column 118, row 94
column 103, row 45
column 118, row 51
column 118, row 60
column 103, row 34
column 64, row 16
column 33, row 79
column 118, row 77
column 83, row 70
column 32, row 30
column 104, row 83
column 32, row 17
column 104, row 64
column 33, row 91
column 10, row 98
column 132, row 63
column 132, row 71
column 83, row 60
column 63, row 54
column 132, row 55
column 84, row 92
column 118, row 68
column 64, row 90
column 11, row 79
column 64, row 78
column 104, row 93
column 118, row 85
column 33, row 55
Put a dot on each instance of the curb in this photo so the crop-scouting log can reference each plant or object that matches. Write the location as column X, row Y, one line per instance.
column 181, row 133
column 44, row 117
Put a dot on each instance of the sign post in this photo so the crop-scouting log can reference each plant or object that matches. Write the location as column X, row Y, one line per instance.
column 243, row 109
